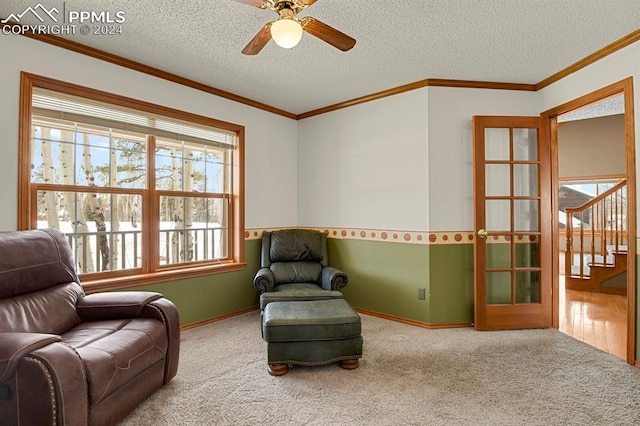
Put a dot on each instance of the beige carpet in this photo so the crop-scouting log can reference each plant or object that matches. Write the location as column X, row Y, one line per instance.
column 408, row 376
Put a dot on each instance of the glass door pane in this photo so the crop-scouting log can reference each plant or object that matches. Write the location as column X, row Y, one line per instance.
column 497, row 180
column 498, row 288
column 525, row 144
column 526, row 214
column 498, row 214
column 527, row 287
column 525, row 180
column 498, row 253
column 497, row 144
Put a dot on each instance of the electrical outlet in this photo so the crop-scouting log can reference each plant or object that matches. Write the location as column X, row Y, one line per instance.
column 421, row 294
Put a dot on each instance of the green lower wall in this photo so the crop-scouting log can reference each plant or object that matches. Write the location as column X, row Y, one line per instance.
column 202, row 298
column 385, row 277
column 451, row 276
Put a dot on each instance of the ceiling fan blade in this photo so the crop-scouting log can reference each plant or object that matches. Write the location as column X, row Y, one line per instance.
column 256, row 3
column 259, row 41
column 308, row 2
column 328, row 34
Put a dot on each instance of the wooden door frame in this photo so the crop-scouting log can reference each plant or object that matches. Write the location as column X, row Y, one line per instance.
column 550, row 126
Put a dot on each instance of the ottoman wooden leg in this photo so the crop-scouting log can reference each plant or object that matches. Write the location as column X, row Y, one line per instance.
column 349, row 364
column 278, row 369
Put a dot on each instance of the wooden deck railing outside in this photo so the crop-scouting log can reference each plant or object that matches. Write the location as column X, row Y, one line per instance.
column 119, row 250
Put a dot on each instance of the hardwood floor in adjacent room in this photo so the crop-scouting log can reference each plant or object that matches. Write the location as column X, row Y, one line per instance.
column 597, row 319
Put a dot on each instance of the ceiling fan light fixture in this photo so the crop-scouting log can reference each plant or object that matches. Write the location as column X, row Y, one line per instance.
column 286, row 32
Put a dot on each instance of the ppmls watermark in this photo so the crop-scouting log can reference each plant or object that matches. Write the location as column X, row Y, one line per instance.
column 62, row 21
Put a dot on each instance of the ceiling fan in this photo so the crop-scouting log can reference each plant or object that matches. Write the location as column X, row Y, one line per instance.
column 287, row 30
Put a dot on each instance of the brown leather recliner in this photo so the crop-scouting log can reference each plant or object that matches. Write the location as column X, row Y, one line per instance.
column 67, row 358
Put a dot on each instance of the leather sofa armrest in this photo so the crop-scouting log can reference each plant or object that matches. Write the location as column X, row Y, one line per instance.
column 67, row 400
column 16, row 345
column 333, row 279
column 164, row 310
column 114, row 305
column 137, row 304
column 264, row 281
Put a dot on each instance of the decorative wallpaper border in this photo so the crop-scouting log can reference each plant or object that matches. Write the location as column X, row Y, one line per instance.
column 393, row 236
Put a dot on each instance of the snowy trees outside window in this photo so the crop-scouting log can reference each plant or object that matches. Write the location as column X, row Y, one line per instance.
column 135, row 191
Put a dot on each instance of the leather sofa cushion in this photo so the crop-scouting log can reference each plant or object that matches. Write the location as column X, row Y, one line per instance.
column 295, row 245
column 296, row 272
column 117, row 351
column 309, row 321
column 33, row 312
column 34, row 260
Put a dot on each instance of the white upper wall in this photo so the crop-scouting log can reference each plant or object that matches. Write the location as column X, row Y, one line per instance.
column 450, row 147
column 399, row 163
column 366, row 166
column 270, row 140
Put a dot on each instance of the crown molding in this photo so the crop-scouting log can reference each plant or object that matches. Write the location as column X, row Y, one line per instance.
column 594, row 57
column 146, row 69
column 430, row 82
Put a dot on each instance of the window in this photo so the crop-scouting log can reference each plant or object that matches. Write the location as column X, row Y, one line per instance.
column 576, row 192
column 143, row 193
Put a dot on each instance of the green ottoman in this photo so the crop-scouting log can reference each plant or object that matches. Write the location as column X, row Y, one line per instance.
column 314, row 332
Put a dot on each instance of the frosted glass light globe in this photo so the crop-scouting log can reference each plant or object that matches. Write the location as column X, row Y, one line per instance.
column 286, row 33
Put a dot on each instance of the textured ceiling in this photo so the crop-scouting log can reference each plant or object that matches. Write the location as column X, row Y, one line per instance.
column 398, row 42
column 610, row 106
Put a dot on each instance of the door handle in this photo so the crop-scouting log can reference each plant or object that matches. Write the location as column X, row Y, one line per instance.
column 482, row 233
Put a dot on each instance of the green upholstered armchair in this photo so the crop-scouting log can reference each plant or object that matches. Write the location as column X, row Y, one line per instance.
column 295, row 266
